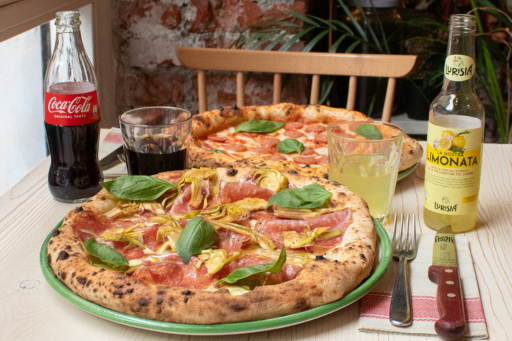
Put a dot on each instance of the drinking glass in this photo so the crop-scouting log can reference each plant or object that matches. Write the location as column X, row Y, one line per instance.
column 155, row 139
column 365, row 156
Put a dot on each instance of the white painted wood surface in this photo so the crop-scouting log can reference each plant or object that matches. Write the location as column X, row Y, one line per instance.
column 28, row 213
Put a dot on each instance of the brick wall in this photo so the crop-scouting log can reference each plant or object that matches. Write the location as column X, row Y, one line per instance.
column 146, row 33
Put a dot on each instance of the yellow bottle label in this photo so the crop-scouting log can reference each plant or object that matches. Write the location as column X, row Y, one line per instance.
column 458, row 67
column 452, row 172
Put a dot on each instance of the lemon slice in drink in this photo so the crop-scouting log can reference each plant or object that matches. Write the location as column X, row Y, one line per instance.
column 445, row 143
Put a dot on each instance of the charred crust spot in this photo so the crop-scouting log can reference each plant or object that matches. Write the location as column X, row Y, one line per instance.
column 63, row 255
column 320, row 257
column 362, row 256
column 102, row 198
column 101, row 270
column 81, row 280
column 187, row 293
column 331, row 204
column 369, row 247
column 198, row 118
column 351, row 248
column 221, row 108
column 171, row 299
column 294, row 172
column 260, row 299
column 128, row 284
column 232, row 172
column 118, row 292
column 94, row 273
column 238, row 307
column 326, row 176
column 160, row 292
column 89, row 282
column 410, row 151
column 55, row 233
column 63, row 275
column 305, row 166
column 50, row 242
column 300, row 303
column 353, row 262
column 159, row 301
column 143, row 302
column 234, row 107
column 67, row 247
column 342, row 194
column 229, row 166
column 94, row 290
column 49, row 258
column 73, row 275
column 314, row 266
column 78, row 209
column 185, row 299
column 336, row 261
column 118, row 286
column 129, row 290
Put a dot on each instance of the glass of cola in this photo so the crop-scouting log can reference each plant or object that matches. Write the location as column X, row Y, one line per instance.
column 155, row 139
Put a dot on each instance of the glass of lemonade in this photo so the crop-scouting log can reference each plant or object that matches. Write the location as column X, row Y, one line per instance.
column 365, row 156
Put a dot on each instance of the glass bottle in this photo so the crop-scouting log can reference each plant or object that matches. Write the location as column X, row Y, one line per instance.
column 72, row 115
column 455, row 136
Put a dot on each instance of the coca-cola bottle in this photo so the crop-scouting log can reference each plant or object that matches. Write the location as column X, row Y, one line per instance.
column 72, row 115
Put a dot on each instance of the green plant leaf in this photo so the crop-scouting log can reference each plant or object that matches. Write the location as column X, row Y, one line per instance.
column 335, row 46
column 276, row 41
column 277, row 23
column 259, row 126
column 352, row 46
column 343, row 26
column 295, row 38
column 456, row 150
column 217, row 151
column 326, row 88
column 353, row 21
column 197, row 235
column 301, row 17
column 310, row 196
column 315, row 41
column 137, row 187
column 105, row 253
column 288, row 146
column 261, row 269
column 365, row 19
column 464, row 132
column 370, row 131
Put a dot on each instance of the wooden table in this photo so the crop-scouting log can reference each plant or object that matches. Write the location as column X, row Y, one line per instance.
column 31, row 310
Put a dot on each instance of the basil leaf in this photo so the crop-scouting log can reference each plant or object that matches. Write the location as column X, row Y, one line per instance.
column 310, row 196
column 288, row 146
column 137, row 187
column 257, row 126
column 217, row 151
column 105, row 253
column 241, row 273
column 369, row 130
column 197, row 235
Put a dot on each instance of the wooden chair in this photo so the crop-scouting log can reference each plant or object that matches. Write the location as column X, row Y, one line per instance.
column 316, row 64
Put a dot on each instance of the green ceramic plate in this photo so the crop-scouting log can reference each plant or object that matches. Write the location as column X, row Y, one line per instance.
column 406, row 172
column 224, row 329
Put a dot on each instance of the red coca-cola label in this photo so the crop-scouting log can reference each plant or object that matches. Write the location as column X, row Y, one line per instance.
column 71, row 109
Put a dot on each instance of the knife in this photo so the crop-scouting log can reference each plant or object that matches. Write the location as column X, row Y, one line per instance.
column 111, row 159
column 444, row 272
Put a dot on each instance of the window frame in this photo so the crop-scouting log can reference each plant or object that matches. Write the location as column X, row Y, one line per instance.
column 19, row 16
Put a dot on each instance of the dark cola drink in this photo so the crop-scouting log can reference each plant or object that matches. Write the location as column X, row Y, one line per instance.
column 153, row 155
column 72, row 116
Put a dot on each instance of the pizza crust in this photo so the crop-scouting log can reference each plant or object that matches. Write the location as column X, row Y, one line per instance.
column 216, row 120
column 319, row 282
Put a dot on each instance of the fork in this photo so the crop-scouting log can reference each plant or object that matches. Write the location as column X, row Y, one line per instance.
column 404, row 250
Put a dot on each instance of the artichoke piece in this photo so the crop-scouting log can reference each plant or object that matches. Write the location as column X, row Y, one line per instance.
column 198, row 178
column 255, row 236
column 303, row 213
column 271, row 179
column 296, row 240
column 214, row 260
column 299, row 259
column 160, row 219
column 171, row 231
column 152, row 207
column 122, row 209
column 236, row 210
column 236, row 290
column 119, row 234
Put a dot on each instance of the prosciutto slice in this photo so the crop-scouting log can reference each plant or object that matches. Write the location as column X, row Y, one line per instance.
column 231, row 241
column 335, row 221
column 234, row 191
column 182, row 205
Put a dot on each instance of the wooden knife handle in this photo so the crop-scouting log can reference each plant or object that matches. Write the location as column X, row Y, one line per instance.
column 452, row 321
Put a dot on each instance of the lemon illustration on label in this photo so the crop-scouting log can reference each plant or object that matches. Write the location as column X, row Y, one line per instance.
column 453, row 142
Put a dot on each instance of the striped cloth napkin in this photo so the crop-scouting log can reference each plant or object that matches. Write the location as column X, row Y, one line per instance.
column 110, row 139
column 374, row 316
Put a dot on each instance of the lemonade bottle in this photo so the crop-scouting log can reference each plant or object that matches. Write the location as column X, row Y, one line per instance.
column 455, row 135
